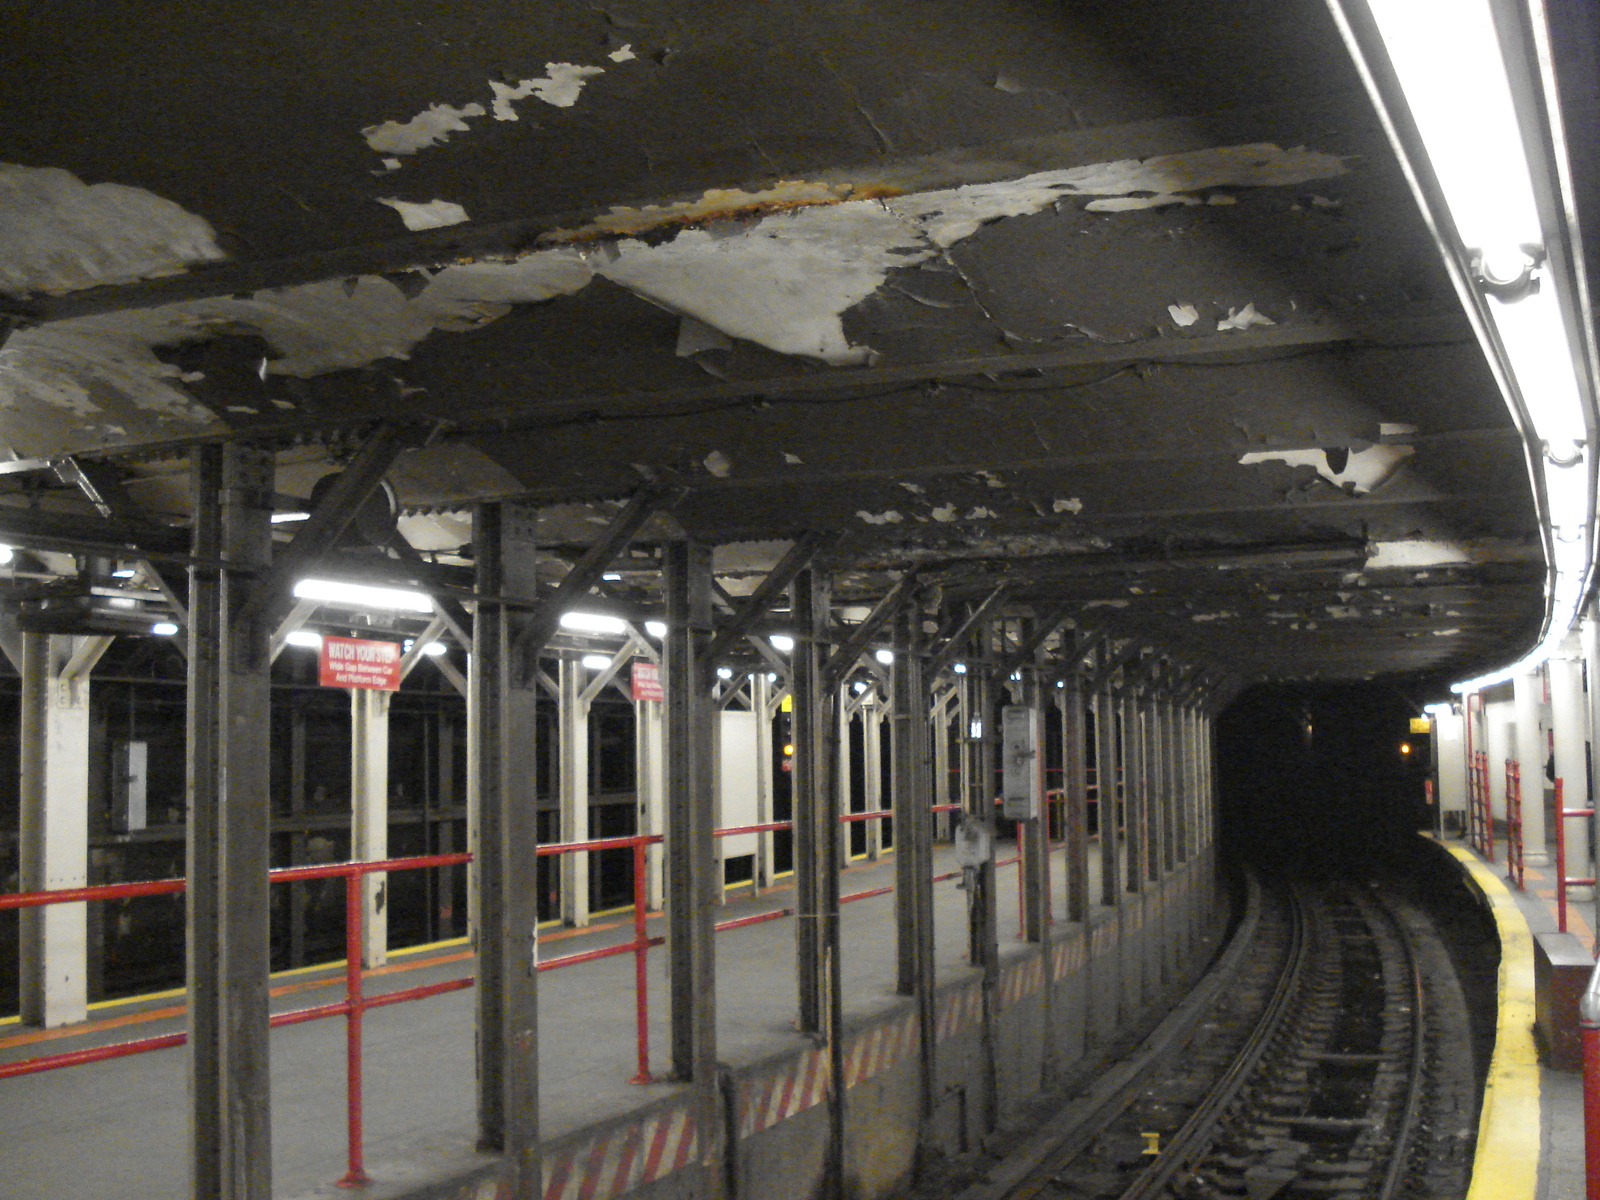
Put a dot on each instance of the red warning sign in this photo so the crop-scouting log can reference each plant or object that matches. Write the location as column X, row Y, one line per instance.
column 359, row 663
column 647, row 682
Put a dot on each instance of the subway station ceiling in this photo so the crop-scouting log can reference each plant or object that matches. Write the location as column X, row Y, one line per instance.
column 1126, row 305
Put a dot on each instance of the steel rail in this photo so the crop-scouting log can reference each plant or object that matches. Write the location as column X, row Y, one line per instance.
column 1411, row 1116
column 1186, row 1147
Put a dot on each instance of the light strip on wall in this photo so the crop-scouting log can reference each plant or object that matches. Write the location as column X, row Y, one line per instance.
column 1450, row 65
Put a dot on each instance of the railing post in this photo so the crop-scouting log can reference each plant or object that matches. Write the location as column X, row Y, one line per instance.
column 1589, row 1024
column 641, row 951
column 354, row 911
column 1561, row 862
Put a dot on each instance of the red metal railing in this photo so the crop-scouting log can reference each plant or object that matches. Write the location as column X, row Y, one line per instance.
column 356, row 1001
column 1514, row 821
column 1563, row 880
column 1480, row 819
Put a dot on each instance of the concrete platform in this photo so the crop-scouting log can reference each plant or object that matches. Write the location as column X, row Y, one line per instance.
column 115, row 1129
column 1557, row 1145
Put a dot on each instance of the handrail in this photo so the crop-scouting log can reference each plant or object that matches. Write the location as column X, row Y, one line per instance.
column 1514, row 822
column 1563, row 880
column 357, row 1001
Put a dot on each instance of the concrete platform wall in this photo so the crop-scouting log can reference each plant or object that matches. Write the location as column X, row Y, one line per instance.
column 1046, row 1011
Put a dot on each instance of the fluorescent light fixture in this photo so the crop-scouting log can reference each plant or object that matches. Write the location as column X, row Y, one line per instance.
column 959, row 668
column 1061, row 683
column 6, row 554
column 886, row 657
column 597, row 662
column 656, row 629
column 860, row 687
column 124, row 573
column 724, row 672
column 304, row 637
column 1439, row 710
column 1016, row 675
column 356, row 595
column 1450, row 64
column 164, row 628
column 435, row 649
column 782, row 642
column 582, row 622
column 975, row 730
column 284, row 517
column 123, row 602
column 611, row 577
column 771, row 678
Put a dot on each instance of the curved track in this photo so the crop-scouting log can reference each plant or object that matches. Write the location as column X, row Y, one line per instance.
column 1307, row 1068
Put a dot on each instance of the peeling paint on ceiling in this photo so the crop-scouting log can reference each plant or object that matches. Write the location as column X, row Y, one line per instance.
column 435, row 214
column 1358, row 471
column 559, row 86
column 429, row 127
column 58, row 234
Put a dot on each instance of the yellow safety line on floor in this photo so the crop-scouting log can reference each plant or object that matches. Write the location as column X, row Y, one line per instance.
column 1506, row 1166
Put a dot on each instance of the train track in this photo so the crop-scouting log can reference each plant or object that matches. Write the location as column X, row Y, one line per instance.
column 1313, row 1063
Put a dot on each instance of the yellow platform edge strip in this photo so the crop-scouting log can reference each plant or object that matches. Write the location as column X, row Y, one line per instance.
column 1506, row 1165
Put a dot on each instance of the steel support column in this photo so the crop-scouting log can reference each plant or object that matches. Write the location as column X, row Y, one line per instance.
column 694, row 884
column 1075, row 779
column 910, row 746
column 503, row 695
column 228, row 835
column 1133, row 790
column 1105, row 790
column 815, row 800
column 1035, row 866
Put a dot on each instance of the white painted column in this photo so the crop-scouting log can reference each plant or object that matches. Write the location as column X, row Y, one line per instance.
column 1499, row 717
column 573, row 740
column 1569, row 719
column 369, row 813
column 872, row 773
column 1450, row 748
column 1531, row 756
column 842, row 760
column 761, row 703
column 54, row 842
column 649, row 768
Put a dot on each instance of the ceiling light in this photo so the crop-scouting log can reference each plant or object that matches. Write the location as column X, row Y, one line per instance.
column 164, row 628
column 959, row 668
column 724, row 673
column 611, row 577
column 280, row 518
column 355, row 595
column 975, row 730
column 583, row 622
column 771, row 678
column 1439, row 710
column 597, row 662
column 6, row 554
column 304, row 637
column 860, row 687
column 435, row 649
column 782, row 642
column 884, row 656
column 656, row 629
column 124, row 573
column 123, row 602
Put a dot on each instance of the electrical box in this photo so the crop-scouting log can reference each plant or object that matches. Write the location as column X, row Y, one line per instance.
column 130, row 774
column 1019, row 749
